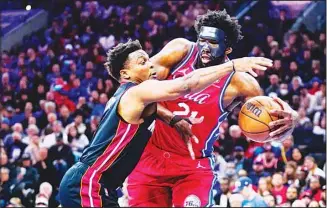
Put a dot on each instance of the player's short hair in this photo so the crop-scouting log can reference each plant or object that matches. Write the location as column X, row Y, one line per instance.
column 117, row 57
column 223, row 21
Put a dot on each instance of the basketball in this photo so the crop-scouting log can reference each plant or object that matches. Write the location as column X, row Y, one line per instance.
column 254, row 118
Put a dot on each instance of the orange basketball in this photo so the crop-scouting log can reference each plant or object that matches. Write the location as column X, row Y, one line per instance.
column 254, row 118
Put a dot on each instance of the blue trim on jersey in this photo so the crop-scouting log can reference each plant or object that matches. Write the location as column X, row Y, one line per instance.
column 185, row 60
column 215, row 132
column 211, row 200
column 223, row 92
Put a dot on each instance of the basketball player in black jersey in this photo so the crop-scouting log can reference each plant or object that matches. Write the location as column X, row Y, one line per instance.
column 129, row 120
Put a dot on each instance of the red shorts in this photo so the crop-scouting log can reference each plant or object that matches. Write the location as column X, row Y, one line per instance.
column 163, row 179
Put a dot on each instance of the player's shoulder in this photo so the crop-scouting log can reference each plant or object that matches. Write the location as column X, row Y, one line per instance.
column 182, row 41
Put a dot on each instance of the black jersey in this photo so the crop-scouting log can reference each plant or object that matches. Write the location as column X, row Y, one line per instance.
column 116, row 146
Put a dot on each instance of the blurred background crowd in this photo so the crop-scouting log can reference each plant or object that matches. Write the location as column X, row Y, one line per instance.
column 54, row 89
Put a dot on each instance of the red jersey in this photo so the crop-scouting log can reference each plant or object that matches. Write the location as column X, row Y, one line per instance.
column 280, row 195
column 206, row 104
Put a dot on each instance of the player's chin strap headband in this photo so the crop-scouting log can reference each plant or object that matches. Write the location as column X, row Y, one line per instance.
column 216, row 35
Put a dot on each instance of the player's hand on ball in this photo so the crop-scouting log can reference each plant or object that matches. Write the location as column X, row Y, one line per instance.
column 288, row 120
column 184, row 128
column 249, row 64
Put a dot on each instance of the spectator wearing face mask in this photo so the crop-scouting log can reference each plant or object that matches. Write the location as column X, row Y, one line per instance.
column 284, row 93
column 258, row 171
column 278, row 189
column 251, row 199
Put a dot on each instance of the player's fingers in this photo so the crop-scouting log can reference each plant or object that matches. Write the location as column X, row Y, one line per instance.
column 253, row 73
column 280, row 122
column 280, row 113
column 280, row 130
column 259, row 67
column 195, row 139
column 263, row 61
column 190, row 149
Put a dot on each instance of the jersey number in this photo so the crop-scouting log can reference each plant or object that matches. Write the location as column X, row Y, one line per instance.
column 186, row 112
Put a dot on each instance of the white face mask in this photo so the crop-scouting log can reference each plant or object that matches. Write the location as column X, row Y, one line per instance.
column 283, row 92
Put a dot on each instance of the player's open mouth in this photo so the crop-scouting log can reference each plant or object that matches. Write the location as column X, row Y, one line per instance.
column 205, row 57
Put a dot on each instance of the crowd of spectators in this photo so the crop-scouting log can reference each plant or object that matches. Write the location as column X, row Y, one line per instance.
column 54, row 89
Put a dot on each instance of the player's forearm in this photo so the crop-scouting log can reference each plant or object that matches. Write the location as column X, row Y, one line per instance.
column 203, row 77
column 164, row 114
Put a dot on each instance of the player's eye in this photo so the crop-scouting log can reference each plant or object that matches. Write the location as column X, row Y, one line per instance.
column 201, row 41
column 213, row 44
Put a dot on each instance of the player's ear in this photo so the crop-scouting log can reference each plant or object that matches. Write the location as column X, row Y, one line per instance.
column 124, row 74
column 228, row 50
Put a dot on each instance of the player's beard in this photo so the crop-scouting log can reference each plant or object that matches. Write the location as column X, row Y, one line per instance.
column 216, row 61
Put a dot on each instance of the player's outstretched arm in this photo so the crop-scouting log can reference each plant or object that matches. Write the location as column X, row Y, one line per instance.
column 155, row 91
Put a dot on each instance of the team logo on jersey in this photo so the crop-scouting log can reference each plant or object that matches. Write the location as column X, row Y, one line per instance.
column 198, row 97
column 192, row 201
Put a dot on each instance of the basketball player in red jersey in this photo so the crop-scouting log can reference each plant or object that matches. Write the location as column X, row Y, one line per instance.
column 166, row 175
